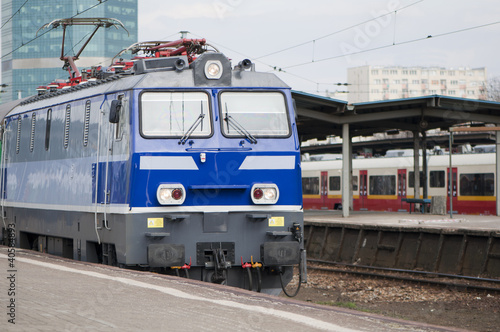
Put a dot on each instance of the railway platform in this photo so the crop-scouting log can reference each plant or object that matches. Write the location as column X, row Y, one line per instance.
column 46, row 293
column 405, row 219
column 463, row 245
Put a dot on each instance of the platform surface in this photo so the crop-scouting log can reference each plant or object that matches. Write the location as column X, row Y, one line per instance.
column 403, row 219
column 53, row 294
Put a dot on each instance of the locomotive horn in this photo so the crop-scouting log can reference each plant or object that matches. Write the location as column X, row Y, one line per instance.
column 245, row 64
column 179, row 64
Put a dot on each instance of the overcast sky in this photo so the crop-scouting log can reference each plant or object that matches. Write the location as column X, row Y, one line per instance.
column 330, row 30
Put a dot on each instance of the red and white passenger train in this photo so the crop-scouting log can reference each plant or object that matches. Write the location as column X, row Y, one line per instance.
column 381, row 184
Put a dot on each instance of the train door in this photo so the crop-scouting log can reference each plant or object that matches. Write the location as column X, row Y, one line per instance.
column 363, row 190
column 324, row 190
column 109, row 135
column 401, row 188
column 453, row 191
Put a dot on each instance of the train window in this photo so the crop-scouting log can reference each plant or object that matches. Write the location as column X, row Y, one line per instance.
column 18, row 138
column 436, row 179
column 175, row 114
column 310, row 186
column 411, row 179
column 86, row 123
column 477, row 184
column 32, row 136
column 334, row 183
column 254, row 113
column 67, row 120
column 382, row 185
column 355, row 183
column 47, row 128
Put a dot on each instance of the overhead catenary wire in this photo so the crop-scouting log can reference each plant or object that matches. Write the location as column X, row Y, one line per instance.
column 434, row 36
column 91, row 7
column 338, row 31
column 10, row 18
column 277, row 68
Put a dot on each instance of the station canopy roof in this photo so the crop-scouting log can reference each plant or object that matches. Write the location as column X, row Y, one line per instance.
column 319, row 117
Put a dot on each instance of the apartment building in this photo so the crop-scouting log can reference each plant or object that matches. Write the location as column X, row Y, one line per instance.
column 372, row 83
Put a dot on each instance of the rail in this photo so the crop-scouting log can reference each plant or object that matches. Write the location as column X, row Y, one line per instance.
column 422, row 277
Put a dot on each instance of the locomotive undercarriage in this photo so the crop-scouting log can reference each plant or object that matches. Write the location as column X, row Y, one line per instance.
column 255, row 257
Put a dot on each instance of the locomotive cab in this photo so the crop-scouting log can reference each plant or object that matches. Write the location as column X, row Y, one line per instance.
column 218, row 167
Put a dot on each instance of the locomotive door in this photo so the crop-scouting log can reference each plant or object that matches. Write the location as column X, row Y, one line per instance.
column 401, row 188
column 363, row 190
column 102, row 169
column 454, row 189
column 324, row 190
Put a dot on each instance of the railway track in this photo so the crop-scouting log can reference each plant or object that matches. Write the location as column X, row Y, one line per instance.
column 450, row 281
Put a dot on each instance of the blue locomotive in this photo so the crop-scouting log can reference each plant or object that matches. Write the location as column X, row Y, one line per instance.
column 173, row 161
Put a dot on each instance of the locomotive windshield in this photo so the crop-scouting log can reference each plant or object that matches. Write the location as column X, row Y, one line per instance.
column 254, row 114
column 173, row 114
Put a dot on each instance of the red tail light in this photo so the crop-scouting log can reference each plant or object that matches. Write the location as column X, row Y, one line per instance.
column 177, row 194
column 258, row 193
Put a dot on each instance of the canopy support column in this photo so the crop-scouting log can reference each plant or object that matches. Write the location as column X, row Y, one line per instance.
column 425, row 169
column 416, row 164
column 346, row 163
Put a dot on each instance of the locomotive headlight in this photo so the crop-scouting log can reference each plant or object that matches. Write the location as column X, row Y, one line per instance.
column 164, row 194
column 170, row 194
column 213, row 69
column 265, row 193
column 270, row 194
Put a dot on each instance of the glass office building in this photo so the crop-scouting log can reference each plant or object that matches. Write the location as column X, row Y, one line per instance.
column 30, row 59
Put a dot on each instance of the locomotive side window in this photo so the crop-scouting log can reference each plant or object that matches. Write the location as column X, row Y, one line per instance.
column 310, row 186
column 334, row 183
column 477, row 184
column 382, row 185
column 173, row 114
column 254, row 113
column 436, row 179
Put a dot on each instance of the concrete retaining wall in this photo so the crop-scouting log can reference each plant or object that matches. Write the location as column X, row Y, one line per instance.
column 464, row 252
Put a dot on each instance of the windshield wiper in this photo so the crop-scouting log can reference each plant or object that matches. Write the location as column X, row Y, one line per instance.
column 239, row 128
column 193, row 127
